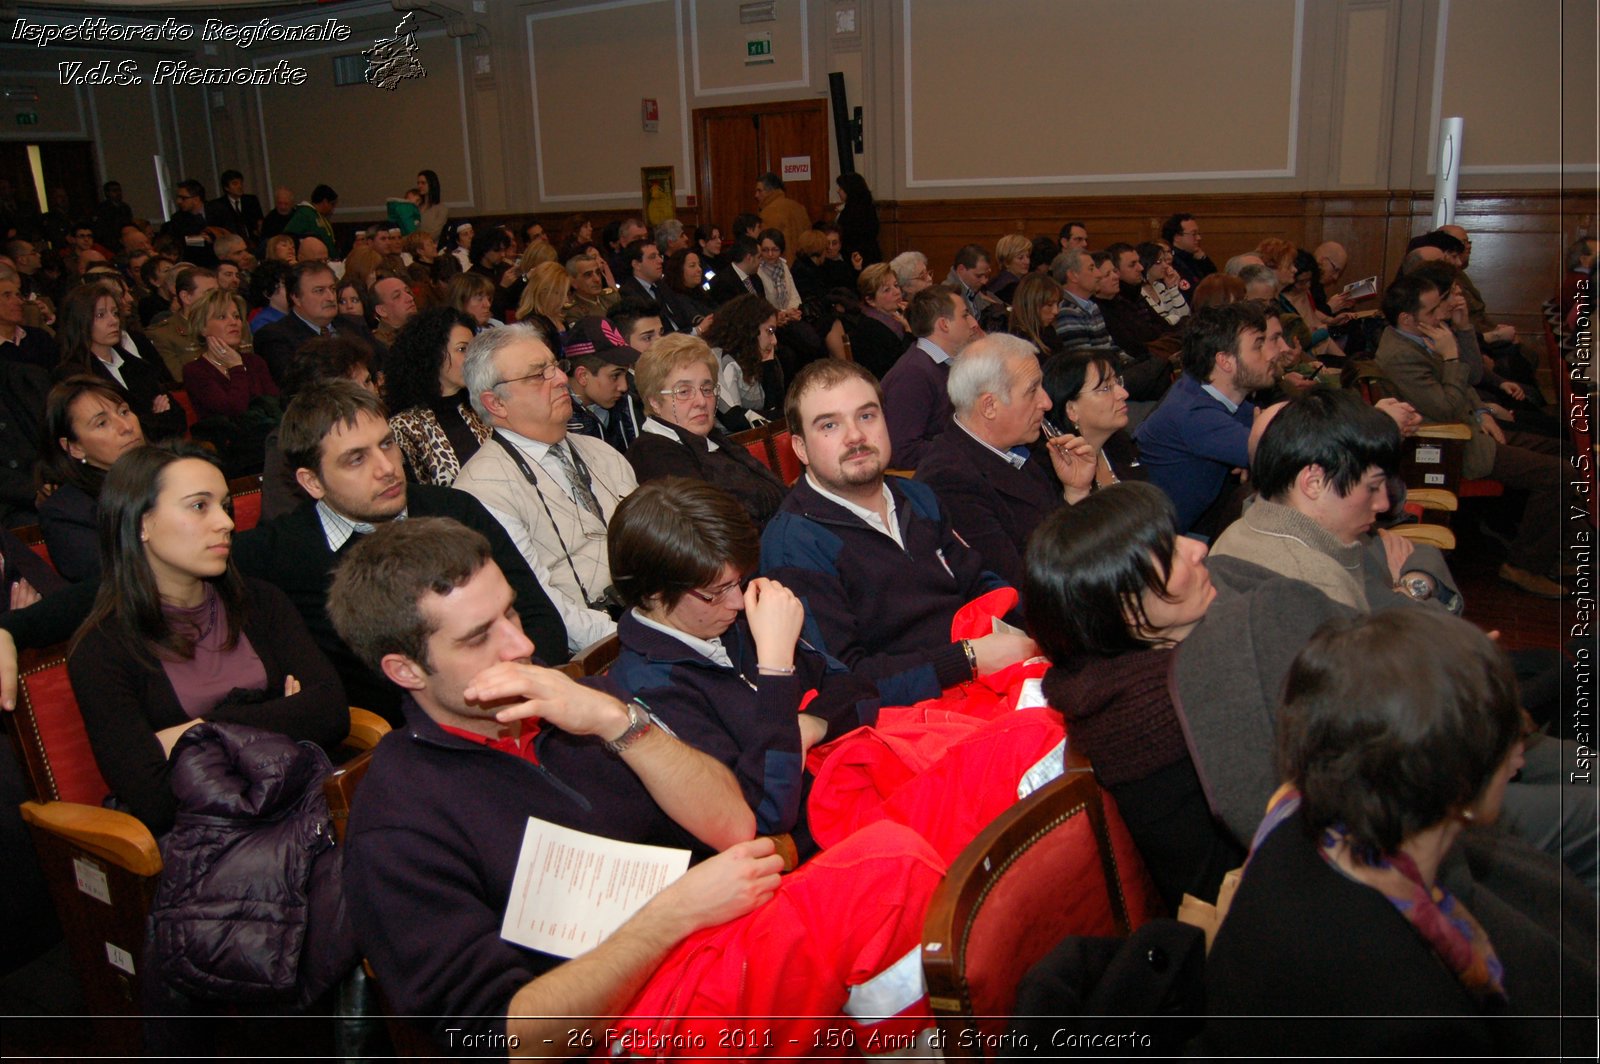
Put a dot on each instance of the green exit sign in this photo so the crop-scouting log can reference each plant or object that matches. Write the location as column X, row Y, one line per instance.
column 27, row 118
column 758, row 49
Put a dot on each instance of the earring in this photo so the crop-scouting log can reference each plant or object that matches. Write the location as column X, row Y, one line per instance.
column 84, row 460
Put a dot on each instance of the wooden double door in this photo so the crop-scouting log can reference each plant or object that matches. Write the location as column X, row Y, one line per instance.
column 734, row 146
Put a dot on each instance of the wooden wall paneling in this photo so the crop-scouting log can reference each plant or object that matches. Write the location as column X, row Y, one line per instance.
column 1518, row 237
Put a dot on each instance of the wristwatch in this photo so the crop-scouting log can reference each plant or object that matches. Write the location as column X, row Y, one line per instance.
column 639, row 723
column 1417, row 585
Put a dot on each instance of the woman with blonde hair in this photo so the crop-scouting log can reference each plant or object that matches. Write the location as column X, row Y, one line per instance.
column 228, row 375
column 1012, row 255
column 879, row 334
column 677, row 381
column 548, row 289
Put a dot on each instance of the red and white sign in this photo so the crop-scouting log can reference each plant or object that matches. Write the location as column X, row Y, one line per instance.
column 651, row 112
column 796, row 168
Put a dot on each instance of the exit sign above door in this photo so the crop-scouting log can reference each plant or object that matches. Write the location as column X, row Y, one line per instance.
column 758, row 49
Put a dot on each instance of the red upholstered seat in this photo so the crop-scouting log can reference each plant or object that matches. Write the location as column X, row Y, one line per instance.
column 789, row 467
column 65, row 766
column 246, row 510
column 181, row 397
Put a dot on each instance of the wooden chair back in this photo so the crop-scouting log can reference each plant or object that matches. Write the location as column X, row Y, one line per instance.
column 340, row 790
column 1043, row 870
column 595, row 658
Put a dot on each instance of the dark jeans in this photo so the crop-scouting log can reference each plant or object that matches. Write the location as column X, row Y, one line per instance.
column 1532, row 464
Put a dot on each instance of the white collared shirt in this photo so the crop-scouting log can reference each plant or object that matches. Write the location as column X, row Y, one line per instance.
column 1016, row 461
column 890, row 529
column 710, row 649
column 658, row 428
column 115, row 366
column 337, row 528
column 540, row 453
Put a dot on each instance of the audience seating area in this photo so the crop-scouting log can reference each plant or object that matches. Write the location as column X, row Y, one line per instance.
column 1050, row 867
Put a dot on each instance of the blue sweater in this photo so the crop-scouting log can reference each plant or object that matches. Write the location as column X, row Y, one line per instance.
column 883, row 611
column 1190, row 444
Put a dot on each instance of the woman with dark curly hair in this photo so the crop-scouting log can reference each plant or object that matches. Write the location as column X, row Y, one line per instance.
column 744, row 335
column 434, row 422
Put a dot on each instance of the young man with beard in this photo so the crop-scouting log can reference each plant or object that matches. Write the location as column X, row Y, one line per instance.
column 1200, row 434
column 874, row 557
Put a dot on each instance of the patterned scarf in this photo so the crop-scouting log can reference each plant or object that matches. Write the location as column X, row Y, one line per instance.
column 1442, row 921
column 774, row 273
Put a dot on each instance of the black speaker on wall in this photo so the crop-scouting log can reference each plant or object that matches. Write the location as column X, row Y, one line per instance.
column 846, row 126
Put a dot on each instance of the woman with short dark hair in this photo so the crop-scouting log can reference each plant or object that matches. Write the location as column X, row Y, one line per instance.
column 1111, row 591
column 1089, row 400
column 1397, row 731
column 723, row 663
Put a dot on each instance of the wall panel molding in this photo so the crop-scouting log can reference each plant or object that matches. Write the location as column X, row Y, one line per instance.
column 1291, row 148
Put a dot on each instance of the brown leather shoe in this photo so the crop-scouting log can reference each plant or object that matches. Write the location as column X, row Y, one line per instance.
column 1532, row 583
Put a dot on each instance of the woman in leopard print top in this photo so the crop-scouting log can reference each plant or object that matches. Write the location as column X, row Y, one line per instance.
column 434, row 422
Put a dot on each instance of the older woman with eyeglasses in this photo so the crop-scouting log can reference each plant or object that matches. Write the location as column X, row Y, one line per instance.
column 677, row 381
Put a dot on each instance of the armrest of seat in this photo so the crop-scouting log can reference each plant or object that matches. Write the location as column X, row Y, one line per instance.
column 1444, row 430
column 118, row 837
column 366, row 728
column 1432, row 535
column 1434, row 499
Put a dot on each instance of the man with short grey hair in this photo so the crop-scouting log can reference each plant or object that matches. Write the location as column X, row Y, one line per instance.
column 1260, row 282
column 553, row 491
column 671, row 236
column 994, row 488
column 1240, row 262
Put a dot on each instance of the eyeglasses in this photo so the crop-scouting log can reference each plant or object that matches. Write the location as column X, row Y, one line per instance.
column 685, row 391
column 542, row 374
column 716, row 594
column 1107, row 386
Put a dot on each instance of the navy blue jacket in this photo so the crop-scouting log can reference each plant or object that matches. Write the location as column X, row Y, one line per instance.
column 883, row 611
column 994, row 506
column 746, row 720
column 432, row 849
